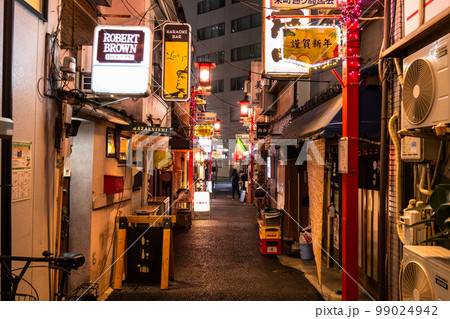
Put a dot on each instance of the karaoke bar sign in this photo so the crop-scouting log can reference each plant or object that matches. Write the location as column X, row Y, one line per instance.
column 120, row 46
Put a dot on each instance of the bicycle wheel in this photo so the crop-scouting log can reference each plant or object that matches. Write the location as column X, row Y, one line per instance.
column 9, row 296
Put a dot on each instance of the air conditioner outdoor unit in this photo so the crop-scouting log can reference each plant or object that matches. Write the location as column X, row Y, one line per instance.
column 425, row 273
column 425, row 100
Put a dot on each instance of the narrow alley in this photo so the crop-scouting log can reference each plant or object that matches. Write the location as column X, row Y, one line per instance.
column 219, row 259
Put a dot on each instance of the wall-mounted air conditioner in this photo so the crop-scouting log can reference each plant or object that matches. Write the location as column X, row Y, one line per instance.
column 411, row 14
column 425, row 273
column 425, row 100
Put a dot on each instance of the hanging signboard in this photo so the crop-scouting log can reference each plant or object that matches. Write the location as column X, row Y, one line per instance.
column 311, row 46
column 262, row 130
column 121, row 60
column 176, row 62
column 300, row 4
column 143, row 129
column 216, row 154
column 274, row 64
column 204, row 117
column 257, row 84
column 204, row 130
column 201, row 202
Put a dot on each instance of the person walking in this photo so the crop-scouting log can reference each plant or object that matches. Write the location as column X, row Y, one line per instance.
column 234, row 183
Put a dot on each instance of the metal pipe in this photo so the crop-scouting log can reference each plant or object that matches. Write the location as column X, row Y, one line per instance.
column 6, row 162
column 398, row 172
column 383, row 157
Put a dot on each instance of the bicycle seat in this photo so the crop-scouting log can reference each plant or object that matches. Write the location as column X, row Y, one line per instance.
column 69, row 260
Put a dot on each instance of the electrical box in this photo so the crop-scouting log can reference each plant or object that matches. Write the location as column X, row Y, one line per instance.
column 113, row 184
column 415, row 149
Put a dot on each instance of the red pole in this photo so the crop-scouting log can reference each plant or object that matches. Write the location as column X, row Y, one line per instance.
column 210, row 160
column 350, row 105
column 252, row 162
column 191, row 132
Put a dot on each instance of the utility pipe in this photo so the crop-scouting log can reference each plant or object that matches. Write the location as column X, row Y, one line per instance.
column 6, row 161
column 382, row 260
column 398, row 172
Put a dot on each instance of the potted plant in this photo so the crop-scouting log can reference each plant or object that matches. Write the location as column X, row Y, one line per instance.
column 440, row 204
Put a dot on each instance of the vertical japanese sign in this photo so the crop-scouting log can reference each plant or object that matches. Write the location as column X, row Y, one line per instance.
column 21, row 171
column 121, row 59
column 176, row 62
column 257, row 85
column 311, row 46
column 262, row 130
column 299, row 4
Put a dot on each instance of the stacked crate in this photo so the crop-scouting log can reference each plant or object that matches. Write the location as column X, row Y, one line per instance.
column 270, row 232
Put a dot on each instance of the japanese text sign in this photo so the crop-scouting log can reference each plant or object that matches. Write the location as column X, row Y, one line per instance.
column 299, row 4
column 311, row 46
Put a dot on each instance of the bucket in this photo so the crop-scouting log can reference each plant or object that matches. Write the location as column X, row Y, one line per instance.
column 306, row 251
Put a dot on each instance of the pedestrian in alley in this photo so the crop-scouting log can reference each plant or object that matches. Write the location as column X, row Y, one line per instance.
column 234, row 183
column 244, row 178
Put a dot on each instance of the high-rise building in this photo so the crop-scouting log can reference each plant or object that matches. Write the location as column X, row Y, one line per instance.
column 227, row 32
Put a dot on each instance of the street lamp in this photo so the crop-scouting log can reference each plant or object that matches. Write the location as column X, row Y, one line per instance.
column 204, row 71
column 245, row 107
column 217, row 126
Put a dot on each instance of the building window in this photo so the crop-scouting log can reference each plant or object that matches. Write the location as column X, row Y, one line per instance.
column 238, row 83
column 212, row 31
column 247, row 22
column 216, row 58
column 235, row 114
column 217, row 86
column 246, row 52
column 209, row 5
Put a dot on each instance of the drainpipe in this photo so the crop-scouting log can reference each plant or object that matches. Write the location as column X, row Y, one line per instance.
column 382, row 260
column 7, row 99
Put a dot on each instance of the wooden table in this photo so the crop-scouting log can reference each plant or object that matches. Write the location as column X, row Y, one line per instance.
column 167, row 250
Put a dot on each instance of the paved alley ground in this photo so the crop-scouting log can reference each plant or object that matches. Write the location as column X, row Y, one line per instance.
column 219, row 259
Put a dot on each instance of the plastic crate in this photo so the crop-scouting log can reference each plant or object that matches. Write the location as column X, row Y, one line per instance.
column 270, row 246
column 269, row 232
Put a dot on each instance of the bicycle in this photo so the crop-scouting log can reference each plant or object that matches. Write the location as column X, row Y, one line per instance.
column 65, row 263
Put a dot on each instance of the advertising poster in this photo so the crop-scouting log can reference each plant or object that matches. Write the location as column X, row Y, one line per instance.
column 21, row 171
column 176, row 62
column 311, row 46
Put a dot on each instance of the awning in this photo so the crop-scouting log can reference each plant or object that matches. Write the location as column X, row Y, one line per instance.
column 326, row 119
column 313, row 121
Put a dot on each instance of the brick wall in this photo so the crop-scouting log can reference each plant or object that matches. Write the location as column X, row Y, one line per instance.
column 78, row 23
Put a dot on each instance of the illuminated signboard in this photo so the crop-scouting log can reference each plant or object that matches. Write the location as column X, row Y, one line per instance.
column 176, row 62
column 299, row 4
column 273, row 62
column 311, row 46
column 201, row 202
column 204, row 117
column 204, row 130
column 121, row 60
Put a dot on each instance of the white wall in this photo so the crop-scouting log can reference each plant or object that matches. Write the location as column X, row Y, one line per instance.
column 33, row 122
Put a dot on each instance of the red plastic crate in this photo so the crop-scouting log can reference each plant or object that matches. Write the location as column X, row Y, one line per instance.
column 270, row 246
